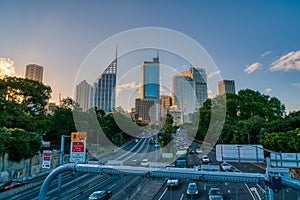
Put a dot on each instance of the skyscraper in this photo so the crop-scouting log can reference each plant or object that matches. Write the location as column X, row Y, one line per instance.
column 200, row 78
column 34, row 72
column 104, row 90
column 83, row 91
column 226, row 86
column 183, row 95
column 149, row 91
column 150, row 79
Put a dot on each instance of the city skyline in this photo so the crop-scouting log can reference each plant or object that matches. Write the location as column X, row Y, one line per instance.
column 254, row 43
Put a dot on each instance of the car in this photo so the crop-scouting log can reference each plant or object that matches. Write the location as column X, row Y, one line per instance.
column 135, row 162
column 192, row 190
column 11, row 184
column 145, row 163
column 156, row 146
column 225, row 167
column 205, row 159
column 215, row 194
column 191, row 150
column 100, row 195
column 198, row 150
column 173, row 183
column 136, row 140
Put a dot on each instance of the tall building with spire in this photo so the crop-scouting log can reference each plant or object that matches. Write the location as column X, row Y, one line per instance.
column 34, row 72
column 103, row 93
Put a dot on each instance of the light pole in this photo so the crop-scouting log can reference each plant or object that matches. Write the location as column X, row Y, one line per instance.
column 61, row 159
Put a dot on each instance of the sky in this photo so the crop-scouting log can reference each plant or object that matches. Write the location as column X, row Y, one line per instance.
column 256, row 43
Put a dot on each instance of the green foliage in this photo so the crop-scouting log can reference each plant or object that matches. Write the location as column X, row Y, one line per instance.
column 22, row 101
column 248, row 115
column 283, row 141
column 22, row 144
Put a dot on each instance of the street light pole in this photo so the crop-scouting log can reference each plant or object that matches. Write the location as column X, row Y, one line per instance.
column 61, row 159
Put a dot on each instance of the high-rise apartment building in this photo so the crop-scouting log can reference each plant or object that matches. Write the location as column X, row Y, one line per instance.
column 103, row 93
column 83, row 91
column 34, row 72
column 226, row 86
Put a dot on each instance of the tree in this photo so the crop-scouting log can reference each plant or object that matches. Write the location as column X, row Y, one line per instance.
column 22, row 101
column 23, row 144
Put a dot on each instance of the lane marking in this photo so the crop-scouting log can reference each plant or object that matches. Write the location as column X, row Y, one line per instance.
column 112, row 186
column 163, row 194
column 181, row 196
column 250, row 191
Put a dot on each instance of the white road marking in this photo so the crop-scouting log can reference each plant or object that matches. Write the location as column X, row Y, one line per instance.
column 163, row 194
column 181, row 196
column 112, row 186
column 228, row 191
column 249, row 191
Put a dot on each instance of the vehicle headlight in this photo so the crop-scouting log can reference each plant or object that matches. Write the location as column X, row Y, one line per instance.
column 188, row 192
column 196, row 192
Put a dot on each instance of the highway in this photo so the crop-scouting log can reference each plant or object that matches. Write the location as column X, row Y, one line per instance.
column 135, row 187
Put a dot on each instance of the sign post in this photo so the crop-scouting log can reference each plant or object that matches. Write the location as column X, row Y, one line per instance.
column 78, row 147
column 47, row 155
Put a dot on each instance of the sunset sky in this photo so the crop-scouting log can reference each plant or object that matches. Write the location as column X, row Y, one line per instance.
column 256, row 43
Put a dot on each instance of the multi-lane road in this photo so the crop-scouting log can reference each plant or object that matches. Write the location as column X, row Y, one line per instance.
column 135, row 187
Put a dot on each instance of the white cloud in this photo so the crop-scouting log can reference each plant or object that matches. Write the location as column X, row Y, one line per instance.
column 210, row 75
column 268, row 90
column 287, row 62
column 252, row 68
column 297, row 85
column 127, row 86
column 266, row 53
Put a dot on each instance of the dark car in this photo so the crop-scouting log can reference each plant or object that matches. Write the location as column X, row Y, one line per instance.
column 191, row 150
column 100, row 195
column 12, row 184
column 215, row 194
column 192, row 190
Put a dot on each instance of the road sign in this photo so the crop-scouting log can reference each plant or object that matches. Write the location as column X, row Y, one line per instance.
column 78, row 135
column 78, row 149
column 290, row 160
column 47, row 155
column 240, row 153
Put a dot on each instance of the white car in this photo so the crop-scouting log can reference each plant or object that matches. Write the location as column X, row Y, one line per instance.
column 225, row 167
column 205, row 159
column 173, row 183
column 198, row 150
column 145, row 163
